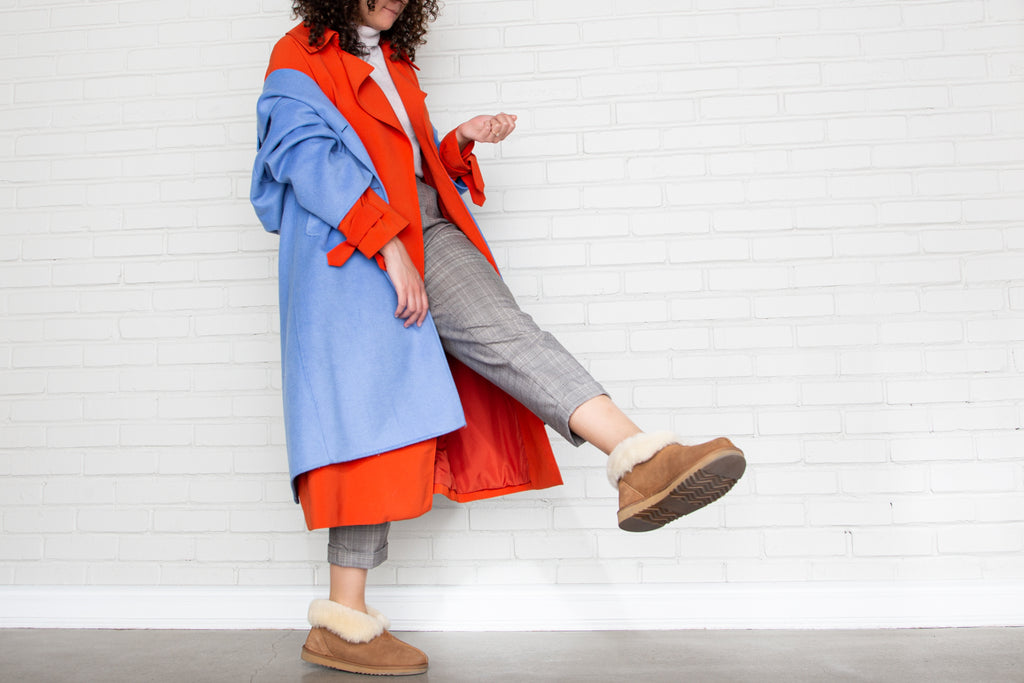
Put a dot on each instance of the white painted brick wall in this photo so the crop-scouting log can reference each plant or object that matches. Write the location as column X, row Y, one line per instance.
column 797, row 223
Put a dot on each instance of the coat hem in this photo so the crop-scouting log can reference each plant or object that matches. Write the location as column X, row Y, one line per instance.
column 458, row 498
column 492, row 493
column 373, row 454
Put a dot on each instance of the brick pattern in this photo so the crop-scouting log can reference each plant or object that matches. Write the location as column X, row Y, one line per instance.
column 796, row 223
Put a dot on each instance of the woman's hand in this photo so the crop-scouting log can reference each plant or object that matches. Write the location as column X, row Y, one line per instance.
column 485, row 128
column 412, row 295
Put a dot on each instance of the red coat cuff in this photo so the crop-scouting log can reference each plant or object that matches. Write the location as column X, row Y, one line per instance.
column 462, row 165
column 369, row 225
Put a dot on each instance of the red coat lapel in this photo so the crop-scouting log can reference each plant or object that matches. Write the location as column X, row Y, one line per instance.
column 368, row 94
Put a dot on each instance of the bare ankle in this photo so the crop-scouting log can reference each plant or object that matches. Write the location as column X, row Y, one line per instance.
column 358, row 605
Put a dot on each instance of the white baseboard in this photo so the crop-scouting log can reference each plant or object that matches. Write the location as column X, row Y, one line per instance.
column 823, row 605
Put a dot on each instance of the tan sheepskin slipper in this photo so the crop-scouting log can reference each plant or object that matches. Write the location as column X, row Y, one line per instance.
column 659, row 479
column 349, row 640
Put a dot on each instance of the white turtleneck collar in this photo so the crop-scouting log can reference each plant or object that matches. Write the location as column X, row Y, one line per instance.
column 369, row 37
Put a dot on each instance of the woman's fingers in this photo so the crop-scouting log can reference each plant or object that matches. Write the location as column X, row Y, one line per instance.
column 502, row 125
column 421, row 308
column 412, row 301
column 401, row 301
column 487, row 128
column 412, row 295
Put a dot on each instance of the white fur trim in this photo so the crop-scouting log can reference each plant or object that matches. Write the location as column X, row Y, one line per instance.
column 635, row 450
column 384, row 621
column 345, row 622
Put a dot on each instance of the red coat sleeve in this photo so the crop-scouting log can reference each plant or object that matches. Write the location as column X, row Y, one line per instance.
column 462, row 165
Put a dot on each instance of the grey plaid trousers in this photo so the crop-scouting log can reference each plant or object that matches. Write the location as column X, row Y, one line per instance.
column 480, row 324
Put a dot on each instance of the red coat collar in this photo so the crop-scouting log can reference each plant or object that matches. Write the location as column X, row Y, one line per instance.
column 301, row 33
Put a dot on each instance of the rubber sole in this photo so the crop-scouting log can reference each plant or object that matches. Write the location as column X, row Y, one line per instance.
column 342, row 665
column 713, row 477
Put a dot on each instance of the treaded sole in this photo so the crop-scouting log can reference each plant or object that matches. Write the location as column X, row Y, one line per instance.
column 696, row 490
column 351, row 667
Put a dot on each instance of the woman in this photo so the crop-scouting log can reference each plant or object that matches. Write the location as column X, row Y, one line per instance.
column 408, row 367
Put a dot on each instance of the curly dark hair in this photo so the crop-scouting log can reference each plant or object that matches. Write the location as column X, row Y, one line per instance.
column 343, row 16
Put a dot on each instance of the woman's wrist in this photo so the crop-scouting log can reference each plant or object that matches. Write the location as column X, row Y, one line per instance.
column 461, row 139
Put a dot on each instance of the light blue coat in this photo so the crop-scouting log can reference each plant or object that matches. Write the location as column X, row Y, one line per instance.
column 356, row 382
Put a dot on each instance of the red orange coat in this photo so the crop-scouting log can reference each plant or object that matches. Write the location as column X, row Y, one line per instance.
column 503, row 447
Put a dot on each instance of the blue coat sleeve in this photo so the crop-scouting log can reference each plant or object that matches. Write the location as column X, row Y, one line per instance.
column 308, row 149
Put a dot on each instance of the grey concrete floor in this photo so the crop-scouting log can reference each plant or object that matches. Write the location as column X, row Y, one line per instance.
column 978, row 655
